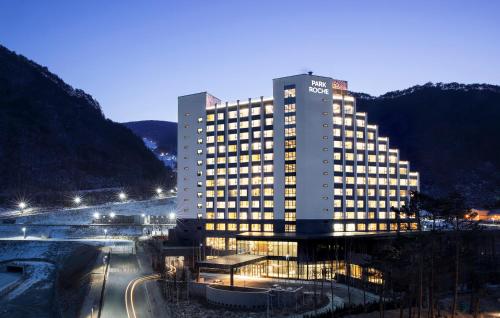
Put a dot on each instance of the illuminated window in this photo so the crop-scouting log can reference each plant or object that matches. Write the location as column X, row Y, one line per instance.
column 336, row 108
column 256, row 227
column 269, row 191
column 268, row 227
column 221, row 226
column 290, row 92
column 269, row 109
column 256, row 146
column 290, row 227
column 256, row 215
column 290, row 180
column 268, row 215
column 338, row 227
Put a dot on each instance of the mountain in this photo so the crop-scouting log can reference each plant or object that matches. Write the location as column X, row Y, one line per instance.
column 54, row 137
column 163, row 133
column 450, row 133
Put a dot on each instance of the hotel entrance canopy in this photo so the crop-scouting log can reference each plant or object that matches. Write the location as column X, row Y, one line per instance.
column 230, row 262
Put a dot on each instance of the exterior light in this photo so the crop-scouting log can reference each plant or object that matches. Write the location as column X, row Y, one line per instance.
column 143, row 215
column 122, row 196
column 171, row 216
column 96, row 215
column 159, row 191
column 22, row 205
column 112, row 215
column 77, row 200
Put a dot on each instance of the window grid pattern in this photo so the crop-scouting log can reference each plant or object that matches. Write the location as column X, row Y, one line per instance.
column 290, row 158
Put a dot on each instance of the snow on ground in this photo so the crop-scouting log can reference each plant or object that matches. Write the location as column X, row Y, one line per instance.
column 7, row 280
column 85, row 215
column 25, row 250
column 38, row 274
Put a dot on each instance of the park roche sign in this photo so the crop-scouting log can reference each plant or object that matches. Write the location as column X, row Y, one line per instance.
column 319, row 87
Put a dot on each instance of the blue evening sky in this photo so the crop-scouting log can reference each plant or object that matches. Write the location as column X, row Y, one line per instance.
column 136, row 57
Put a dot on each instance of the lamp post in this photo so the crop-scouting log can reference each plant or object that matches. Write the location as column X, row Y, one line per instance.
column 122, row 196
column 22, row 205
column 24, row 232
column 159, row 191
column 77, row 200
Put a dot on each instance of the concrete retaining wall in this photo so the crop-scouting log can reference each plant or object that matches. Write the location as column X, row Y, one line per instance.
column 237, row 299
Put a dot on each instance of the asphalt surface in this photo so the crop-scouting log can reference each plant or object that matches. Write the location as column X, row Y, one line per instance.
column 125, row 267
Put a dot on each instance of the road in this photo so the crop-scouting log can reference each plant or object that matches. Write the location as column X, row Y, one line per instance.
column 131, row 285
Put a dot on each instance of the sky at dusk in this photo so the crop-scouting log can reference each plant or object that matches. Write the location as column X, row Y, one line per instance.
column 136, row 57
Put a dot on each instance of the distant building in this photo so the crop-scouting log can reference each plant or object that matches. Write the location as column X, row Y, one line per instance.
column 485, row 215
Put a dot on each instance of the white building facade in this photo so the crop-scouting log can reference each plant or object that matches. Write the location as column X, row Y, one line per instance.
column 302, row 161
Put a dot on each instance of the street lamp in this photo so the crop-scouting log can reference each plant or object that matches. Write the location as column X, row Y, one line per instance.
column 159, row 191
column 96, row 215
column 77, row 200
column 22, row 205
column 122, row 196
column 112, row 215
column 171, row 216
column 24, row 232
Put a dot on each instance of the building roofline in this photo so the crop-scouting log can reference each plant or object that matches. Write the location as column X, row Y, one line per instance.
column 186, row 95
column 297, row 75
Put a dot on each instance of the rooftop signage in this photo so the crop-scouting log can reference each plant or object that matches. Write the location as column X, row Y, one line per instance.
column 340, row 85
column 318, row 87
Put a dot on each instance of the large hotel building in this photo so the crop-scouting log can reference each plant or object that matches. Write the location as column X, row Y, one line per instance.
column 261, row 174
